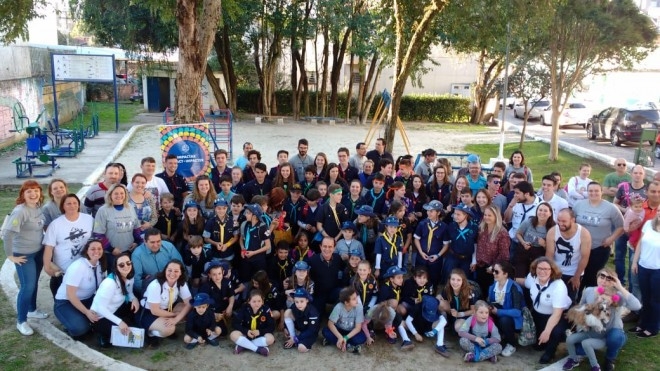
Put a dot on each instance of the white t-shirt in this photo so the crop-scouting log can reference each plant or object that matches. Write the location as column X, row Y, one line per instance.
column 649, row 257
column 68, row 238
column 521, row 212
column 157, row 294
column 156, row 186
column 109, row 298
column 80, row 274
column 554, row 296
column 557, row 203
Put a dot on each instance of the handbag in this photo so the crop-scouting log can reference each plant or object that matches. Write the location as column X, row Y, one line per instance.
column 528, row 331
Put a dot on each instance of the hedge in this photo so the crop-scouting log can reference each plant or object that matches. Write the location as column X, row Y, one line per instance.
column 414, row 107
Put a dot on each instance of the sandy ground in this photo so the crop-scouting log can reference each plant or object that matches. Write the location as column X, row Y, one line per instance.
column 269, row 138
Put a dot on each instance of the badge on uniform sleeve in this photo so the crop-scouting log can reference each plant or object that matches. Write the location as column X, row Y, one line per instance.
column 263, row 319
column 305, row 322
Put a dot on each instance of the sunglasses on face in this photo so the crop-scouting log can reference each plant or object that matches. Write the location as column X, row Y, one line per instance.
column 605, row 277
column 620, row 164
column 495, row 271
column 124, row 265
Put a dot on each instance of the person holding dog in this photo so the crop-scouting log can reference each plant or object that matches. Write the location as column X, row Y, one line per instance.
column 613, row 338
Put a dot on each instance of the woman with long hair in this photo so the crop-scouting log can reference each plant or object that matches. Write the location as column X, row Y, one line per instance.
column 321, row 165
column 439, row 186
column 143, row 203
column 492, row 245
column 457, row 299
column 531, row 237
column 57, row 189
column 333, row 177
column 285, row 178
column 204, row 195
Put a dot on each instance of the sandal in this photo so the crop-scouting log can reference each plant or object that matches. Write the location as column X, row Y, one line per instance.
column 635, row 330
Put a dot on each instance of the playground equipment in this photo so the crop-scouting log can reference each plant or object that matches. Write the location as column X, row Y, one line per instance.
column 38, row 150
column 379, row 117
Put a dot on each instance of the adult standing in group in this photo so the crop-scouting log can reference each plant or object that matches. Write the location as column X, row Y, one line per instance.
column 646, row 264
column 493, row 186
column 346, row 170
column 425, row 167
column 569, row 245
column 301, row 160
column 151, row 257
column 76, row 293
column 57, row 189
column 605, row 224
column 22, row 235
column 259, row 186
column 95, row 196
column 577, row 185
column 155, row 185
column 204, row 195
column 476, row 180
column 116, row 223
column 65, row 238
column 176, row 184
column 242, row 160
column 626, row 191
column 612, row 180
column 531, row 237
column 379, row 153
column 650, row 211
column 522, row 207
column 142, row 202
column 548, row 185
column 326, row 272
column 517, row 165
column 439, row 186
column 550, row 300
column 360, row 156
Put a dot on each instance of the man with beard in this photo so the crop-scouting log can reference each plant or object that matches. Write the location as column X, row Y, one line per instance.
column 300, row 161
column 569, row 245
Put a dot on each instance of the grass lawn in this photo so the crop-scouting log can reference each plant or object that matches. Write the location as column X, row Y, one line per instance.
column 465, row 128
column 106, row 111
column 536, row 158
column 20, row 352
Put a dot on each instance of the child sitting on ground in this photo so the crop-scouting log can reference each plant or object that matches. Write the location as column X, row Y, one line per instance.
column 365, row 285
column 253, row 326
column 479, row 336
column 427, row 319
column 302, row 322
column 414, row 288
column 200, row 323
column 221, row 292
column 345, row 323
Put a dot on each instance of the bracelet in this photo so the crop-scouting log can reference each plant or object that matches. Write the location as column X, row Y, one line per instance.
column 346, row 337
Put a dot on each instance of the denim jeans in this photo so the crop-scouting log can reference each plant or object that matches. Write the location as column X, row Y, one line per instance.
column 633, row 279
column 648, row 283
column 620, row 251
column 615, row 339
column 75, row 322
column 358, row 339
column 28, row 277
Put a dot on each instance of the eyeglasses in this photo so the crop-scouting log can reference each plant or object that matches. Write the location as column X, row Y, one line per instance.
column 124, row 265
column 621, row 164
column 605, row 277
column 495, row 271
column 496, row 182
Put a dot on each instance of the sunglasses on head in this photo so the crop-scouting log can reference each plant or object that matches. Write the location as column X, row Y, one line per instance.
column 605, row 277
column 123, row 265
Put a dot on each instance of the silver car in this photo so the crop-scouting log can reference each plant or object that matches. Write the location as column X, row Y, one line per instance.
column 574, row 114
column 535, row 109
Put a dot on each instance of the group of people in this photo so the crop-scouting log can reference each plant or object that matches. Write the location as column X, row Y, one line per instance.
column 345, row 249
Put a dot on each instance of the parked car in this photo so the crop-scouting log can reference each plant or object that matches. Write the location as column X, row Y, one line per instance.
column 575, row 113
column 510, row 102
column 623, row 124
column 535, row 109
column 137, row 97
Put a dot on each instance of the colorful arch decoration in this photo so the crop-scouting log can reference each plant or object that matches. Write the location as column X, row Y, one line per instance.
column 191, row 145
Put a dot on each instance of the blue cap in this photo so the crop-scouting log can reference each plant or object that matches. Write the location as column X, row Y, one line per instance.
column 190, row 204
column 430, row 308
column 466, row 209
column 391, row 221
column 201, row 299
column 220, row 202
column 349, row 225
column 471, row 159
column 301, row 293
column 214, row 264
column 255, row 209
column 300, row 266
column 394, row 271
column 354, row 252
column 365, row 210
column 434, row 205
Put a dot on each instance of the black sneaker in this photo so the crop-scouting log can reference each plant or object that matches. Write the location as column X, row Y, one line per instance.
column 153, row 342
column 213, row 342
column 545, row 359
column 103, row 341
column 609, row 365
column 190, row 346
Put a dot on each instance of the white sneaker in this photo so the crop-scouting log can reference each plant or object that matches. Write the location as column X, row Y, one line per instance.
column 24, row 328
column 37, row 314
column 508, row 350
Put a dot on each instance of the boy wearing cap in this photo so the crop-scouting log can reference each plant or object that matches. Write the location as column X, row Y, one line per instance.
column 332, row 214
column 200, row 323
column 221, row 291
column 293, row 207
column 302, row 322
column 389, row 247
column 430, row 238
column 254, row 241
column 348, row 244
column 461, row 251
column 219, row 232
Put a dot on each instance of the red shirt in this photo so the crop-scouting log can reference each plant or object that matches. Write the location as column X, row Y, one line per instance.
column 649, row 213
column 488, row 252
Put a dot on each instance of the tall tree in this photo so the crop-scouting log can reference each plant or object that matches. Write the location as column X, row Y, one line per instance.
column 530, row 80
column 412, row 22
column 587, row 36
column 300, row 27
column 15, row 17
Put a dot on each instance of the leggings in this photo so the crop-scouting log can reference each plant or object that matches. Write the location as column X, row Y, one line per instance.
column 480, row 354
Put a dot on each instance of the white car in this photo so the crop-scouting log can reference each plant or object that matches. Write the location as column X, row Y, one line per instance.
column 535, row 109
column 575, row 113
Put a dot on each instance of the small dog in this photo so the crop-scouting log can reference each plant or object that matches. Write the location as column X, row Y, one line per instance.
column 594, row 316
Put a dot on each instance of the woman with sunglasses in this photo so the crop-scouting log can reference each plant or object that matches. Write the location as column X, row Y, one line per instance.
column 506, row 300
column 114, row 301
column 613, row 338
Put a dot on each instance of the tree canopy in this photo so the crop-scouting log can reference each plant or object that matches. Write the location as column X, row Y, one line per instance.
column 15, row 16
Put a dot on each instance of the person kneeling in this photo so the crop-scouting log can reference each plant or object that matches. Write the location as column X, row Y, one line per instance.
column 302, row 322
column 200, row 323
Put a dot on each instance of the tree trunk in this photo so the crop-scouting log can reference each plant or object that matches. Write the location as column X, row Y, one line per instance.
column 324, row 77
column 349, row 94
column 338, row 53
column 368, row 88
column 223, row 51
column 404, row 60
column 215, row 88
column 295, row 98
column 197, row 28
column 485, row 86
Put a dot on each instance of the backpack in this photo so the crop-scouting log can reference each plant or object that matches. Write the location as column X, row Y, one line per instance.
column 566, row 185
column 491, row 324
column 528, row 331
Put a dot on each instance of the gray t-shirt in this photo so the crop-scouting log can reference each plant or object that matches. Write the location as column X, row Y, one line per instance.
column 480, row 329
column 24, row 230
column 51, row 211
column 599, row 220
column 346, row 320
column 116, row 225
column 590, row 295
column 532, row 234
column 500, row 201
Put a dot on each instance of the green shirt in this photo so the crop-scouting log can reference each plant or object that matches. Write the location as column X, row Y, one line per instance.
column 613, row 180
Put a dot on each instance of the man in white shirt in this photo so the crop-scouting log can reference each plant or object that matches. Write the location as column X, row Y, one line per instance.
column 548, row 195
column 360, row 156
column 155, row 185
column 522, row 207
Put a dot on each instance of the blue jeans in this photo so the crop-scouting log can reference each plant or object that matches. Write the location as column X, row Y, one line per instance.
column 358, row 339
column 75, row 322
column 648, row 283
column 620, row 251
column 28, row 277
column 615, row 339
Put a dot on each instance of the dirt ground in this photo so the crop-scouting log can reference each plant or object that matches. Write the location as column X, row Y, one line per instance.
column 269, row 138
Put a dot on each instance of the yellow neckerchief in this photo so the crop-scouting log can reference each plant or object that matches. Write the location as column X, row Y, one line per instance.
column 430, row 236
column 397, row 291
column 364, row 290
column 393, row 247
column 302, row 254
column 168, row 229
column 253, row 321
column 283, row 267
column 334, row 213
column 420, row 291
column 222, row 228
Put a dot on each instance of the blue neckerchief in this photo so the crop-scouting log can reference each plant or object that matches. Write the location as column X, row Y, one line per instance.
column 373, row 196
column 248, row 232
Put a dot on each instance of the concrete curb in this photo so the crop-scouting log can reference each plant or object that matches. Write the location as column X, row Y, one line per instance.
column 47, row 329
